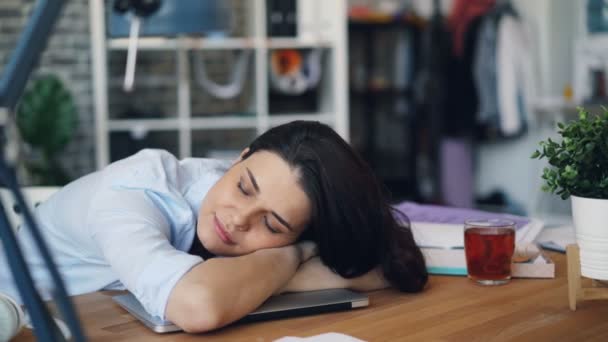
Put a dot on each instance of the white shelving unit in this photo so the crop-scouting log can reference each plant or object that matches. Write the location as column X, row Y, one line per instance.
column 329, row 33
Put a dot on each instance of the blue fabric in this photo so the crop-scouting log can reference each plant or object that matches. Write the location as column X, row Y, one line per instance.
column 484, row 70
column 129, row 226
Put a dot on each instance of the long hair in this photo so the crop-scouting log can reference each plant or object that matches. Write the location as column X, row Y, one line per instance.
column 352, row 222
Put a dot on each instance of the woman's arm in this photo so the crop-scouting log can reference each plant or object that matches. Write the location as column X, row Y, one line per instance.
column 314, row 275
column 222, row 290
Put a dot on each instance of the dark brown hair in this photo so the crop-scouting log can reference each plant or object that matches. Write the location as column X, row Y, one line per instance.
column 352, row 222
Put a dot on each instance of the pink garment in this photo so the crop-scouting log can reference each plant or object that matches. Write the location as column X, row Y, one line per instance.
column 462, row 14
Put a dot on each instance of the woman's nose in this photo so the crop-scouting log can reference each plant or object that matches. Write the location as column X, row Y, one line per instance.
column 242, row 219
column 239, row 222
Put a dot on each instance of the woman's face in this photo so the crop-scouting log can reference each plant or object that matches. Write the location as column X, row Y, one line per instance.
column 257, row 204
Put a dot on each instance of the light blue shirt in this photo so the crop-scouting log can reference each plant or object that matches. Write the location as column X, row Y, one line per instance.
column 129, row 226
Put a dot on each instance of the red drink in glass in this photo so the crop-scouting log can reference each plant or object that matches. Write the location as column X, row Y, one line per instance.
column 489, row 247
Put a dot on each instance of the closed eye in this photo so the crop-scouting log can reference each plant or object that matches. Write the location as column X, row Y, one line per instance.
column 242, row 188
column 270, row 228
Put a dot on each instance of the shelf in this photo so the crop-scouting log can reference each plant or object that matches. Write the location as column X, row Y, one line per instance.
column 211, row 122
column 384, row 91
column 192, row 127
column 278, row 119
column 369, row 25
column 193, row 43
column 557, row 107
column 190, row 43
column 293, row 43
column 222, row 122
column 164, row 124
column 593, row 43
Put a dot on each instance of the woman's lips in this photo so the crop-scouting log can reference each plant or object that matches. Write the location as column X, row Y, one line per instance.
column 221, row 232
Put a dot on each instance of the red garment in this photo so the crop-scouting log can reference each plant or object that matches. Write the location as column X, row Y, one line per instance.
column 462, row 14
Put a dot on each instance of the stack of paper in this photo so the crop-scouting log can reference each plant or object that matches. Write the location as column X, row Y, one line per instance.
column 439, row 231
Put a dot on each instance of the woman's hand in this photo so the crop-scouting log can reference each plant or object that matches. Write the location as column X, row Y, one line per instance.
column 306, row 250
column 314, row 275
column 372, row 280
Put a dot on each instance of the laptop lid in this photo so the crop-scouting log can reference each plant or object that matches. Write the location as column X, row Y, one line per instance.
column 276, row 307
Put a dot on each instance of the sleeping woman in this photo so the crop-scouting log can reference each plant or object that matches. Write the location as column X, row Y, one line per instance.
column 202, row 242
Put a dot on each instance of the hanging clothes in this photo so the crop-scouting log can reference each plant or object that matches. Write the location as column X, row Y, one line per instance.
column 430, row 94
column 459, row 118
column 461, row 16
column 503, row 75
column 514, row 76
column 457, row 149
column 462, row 101
column 485, row 74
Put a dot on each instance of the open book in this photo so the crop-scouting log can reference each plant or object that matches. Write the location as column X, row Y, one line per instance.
column 439, row 231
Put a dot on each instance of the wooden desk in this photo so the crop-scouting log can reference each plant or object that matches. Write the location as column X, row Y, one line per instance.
column 452, row 308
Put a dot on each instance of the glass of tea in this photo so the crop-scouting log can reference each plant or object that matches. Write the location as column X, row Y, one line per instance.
column 489, row 246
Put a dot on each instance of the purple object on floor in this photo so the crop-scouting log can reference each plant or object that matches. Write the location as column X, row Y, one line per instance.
column 457, row 172
column 450, row 215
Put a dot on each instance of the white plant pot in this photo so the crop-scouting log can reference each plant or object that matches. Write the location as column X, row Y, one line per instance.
column 590, row 216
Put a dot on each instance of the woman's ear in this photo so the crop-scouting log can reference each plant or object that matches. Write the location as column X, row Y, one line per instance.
column 243, row 153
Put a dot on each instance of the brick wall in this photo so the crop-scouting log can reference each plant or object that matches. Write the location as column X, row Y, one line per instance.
column 68, row 55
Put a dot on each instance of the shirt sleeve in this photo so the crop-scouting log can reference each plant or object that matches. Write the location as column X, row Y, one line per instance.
column 134, row 238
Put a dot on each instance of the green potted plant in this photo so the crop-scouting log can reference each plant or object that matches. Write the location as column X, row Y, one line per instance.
column 579, row 170
column 46, row 119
